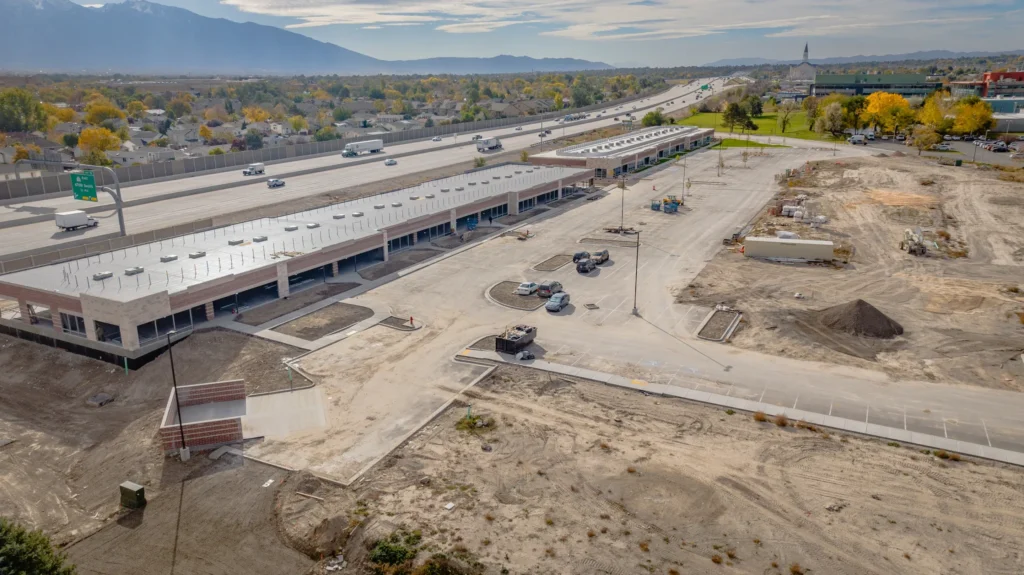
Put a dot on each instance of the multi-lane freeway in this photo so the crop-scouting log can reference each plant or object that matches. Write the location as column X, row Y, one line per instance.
column 331, row 173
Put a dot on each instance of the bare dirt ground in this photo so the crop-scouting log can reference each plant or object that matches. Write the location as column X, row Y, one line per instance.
column 62, row 471
column 959, row 305
column 220, row 520
column 398, row 261
column 295, row 302
column 504, row 293
column 330, row 319
column 571, row 477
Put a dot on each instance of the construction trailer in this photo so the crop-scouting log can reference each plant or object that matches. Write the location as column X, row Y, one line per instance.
column 788, row 249
column 515, row 339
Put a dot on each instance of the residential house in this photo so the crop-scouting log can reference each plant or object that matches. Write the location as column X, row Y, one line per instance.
column 388, row 118
column 183, row 134
column 280, row 128
column 141, row 156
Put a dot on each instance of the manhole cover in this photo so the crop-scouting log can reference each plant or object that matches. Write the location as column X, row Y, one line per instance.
column 591, row 306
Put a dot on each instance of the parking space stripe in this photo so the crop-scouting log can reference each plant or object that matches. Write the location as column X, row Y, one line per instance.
column 985, row 427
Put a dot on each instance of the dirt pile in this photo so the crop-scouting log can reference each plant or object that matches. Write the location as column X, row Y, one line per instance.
column 858, row 317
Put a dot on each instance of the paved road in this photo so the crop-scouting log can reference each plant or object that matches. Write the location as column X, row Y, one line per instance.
column 173, row 211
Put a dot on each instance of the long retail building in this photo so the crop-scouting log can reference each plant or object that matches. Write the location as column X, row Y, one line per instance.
column 120, row 305
column 627, row 152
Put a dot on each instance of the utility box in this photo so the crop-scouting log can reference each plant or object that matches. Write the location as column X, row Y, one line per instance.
column 133, row 495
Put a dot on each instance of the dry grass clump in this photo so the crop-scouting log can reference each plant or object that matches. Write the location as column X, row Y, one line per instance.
column 781, row 420
column 760, row 416
column 716, row 559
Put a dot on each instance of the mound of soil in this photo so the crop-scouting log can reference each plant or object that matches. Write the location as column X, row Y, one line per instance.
column 858, row 317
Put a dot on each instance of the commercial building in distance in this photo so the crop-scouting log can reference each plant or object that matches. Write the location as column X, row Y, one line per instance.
column 613, row 156
column 120, row 305
column 906, row 85
column 991, row 85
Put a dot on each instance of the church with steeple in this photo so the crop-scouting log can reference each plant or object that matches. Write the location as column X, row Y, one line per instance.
column 805, row 71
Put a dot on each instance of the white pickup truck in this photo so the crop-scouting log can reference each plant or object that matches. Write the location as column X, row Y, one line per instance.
column 253, row 170
column 73, row 220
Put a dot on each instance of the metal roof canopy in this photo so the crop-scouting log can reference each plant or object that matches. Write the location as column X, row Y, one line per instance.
column 626, row 144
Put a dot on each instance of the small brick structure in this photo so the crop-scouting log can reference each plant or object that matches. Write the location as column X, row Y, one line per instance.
column 212, row 415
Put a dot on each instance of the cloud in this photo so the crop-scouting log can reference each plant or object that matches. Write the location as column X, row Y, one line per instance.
column 371, row 27
column 645, row 20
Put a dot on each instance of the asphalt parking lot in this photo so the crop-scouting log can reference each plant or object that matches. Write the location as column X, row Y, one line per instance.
column 966, row 151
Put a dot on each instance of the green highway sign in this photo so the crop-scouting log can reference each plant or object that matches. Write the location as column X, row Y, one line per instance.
column 84, row 186
column 704, row 87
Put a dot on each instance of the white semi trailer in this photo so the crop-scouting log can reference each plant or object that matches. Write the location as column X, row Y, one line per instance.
column 356, row 148
column 487, row 144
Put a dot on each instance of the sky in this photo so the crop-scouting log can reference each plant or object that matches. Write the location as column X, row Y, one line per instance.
column 636, row 32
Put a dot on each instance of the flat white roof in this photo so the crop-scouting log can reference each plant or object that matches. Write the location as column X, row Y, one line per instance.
column 770, row 240
column 626, row 144
column 260, row 243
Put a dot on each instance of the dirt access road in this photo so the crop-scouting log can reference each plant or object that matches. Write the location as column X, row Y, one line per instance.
column 572, row 477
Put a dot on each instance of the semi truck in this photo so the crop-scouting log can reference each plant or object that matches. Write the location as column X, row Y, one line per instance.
column 515, row 339
column 73, row 220
column 355, row 148
column 253, row 170
column 487, row 144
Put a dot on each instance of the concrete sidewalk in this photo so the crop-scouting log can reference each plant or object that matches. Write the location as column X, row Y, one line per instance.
column 861, row 427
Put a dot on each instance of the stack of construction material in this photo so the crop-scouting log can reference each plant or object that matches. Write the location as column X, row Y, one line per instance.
column 860, row 318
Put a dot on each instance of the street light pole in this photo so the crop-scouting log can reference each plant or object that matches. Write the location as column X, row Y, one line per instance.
column 636, row 274
column 622, row 207
column 177, row 404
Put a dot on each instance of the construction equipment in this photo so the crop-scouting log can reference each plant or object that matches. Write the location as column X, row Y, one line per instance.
column 656, row 206
column 515, row 339
column 913, row 242
column 671, row 208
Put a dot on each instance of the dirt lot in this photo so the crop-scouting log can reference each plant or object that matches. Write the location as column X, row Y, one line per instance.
column 220, row 521
column 62, row 471
column 959, row 305
column 398, row 261
column 569, row 477
column 330, row 319
column 295, row 302
column 504, row 293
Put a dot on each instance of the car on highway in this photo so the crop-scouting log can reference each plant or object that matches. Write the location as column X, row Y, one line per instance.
column 391, row 162
column 616, row 118
column 580, row 256
column 526, row 288
column 477, row 137
column 585, row 266
column 519, row 128
column 275, row 183
column 435, row 139
column 541, row 135
column 547, row 131
column 557, row 302
column 548, row 288
column 600, row 257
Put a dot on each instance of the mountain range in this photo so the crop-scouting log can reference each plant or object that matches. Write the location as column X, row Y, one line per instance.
column 141, row 37
column 924, row 55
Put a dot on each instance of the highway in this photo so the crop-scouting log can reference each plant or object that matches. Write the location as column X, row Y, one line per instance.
column 162, row 213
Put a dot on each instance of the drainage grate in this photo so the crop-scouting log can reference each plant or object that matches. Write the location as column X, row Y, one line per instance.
column 591, row 306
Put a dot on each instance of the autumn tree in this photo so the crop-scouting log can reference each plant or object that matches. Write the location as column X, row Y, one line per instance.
column 205, row 132
column 925, row 137
column 59, row 114
column 135, row 109
column 180, row 106
column 784, row 114
column 98, row 139
column 832, row 120
column 886, row 110
column 100, row 110
column 298, row 123
column 524, row 156
column 973, row 115
column 937, row 112
column 398, row 106
column 255, row 114
column 558, row 102
column 20, row 111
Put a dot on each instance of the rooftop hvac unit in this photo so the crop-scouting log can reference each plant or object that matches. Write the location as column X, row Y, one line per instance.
column 446, row 190
column 102, row 276
column 196, row 255
column 168, row 258
column 134, row 271
column 290, row 228
column 260, row 239
column 459, row 189
column 379, row 207
column 312, row 226
column 509, row 176
column 357, row 214
column 429, row 196
column 339, row 216
column 472, row 183
column 236, row 242
column 519, row 171
column 414, row 198
column 529, row 171
column 396, row 204
column 485, row 182
column 495, row 177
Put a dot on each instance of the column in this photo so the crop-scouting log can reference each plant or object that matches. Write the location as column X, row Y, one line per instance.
column 282, row 280
column 90, row 330
column 55, row 319
column 415, row 238
column 560, row 192
column 334, row 269
column 513, row 203
column 209, row 311
column 451, row 216
column 129, row 336
column 23, row 307
column 385, row 232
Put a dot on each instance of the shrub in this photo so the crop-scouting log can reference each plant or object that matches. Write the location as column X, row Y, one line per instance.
column 729, row 412
column 760, row 416
column 781, row 420
column 29, row 552
column 549, row 521
column 942, row 454
column 631, row 470
column 591, row 534
column 389, row 552
column 716, row 559
column 438, row 565
column 644, row 546
column 795, row 569
column 489, row 517
column 954, row 456
column 893, row 444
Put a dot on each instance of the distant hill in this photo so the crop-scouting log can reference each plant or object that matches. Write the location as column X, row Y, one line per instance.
column 924, row 55
column 140, row 37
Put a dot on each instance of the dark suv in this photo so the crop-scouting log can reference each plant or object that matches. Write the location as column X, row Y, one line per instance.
column 600, row 257
column 580, row 256
column 585, row 266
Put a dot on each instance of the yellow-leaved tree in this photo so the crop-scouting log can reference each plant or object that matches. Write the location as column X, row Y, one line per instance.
column 101, row 110
column 937, row 112
column 885, row 110
column 298, row 123
column 973, row 116
column 98, row 139
column 205, row 132
column 135, row 108
column 255, row 114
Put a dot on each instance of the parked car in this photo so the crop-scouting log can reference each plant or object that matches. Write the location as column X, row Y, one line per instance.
column 947, row 137
column 526, row 288
column 870, row 137
column 435, row 139
column 600, row 257
column 1017, row 156
column 857, row 139
column 391, row 162
column 580, row 256
column 900, row 137
column 548, row 288
column 942, row 148
column 585, row 266
column 557, row 302
column 969, row 138
column 275, row 183
column 542, row 134
column 957, row 138
column 616, row 118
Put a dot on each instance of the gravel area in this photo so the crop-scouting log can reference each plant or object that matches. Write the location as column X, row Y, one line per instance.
column 715, row 328
column 503, row 293
column 553, row 263
column 485, row 344
column 295, row 302
column 453, row 241
column 398, row 261
column 515, row 219
column 328, row 320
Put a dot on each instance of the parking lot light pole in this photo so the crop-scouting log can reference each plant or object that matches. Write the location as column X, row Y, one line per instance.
column 636, row 275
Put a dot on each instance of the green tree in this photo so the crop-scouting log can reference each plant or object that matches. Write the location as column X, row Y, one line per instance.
column 341, row 113
column 925, row 137
column 325, row 134
column 253, row 139
column 854, row 109
column 784, row 114
column 24, row 552
column 810, row 105
column 479, row 162
column 429, row 123
column 831, row 121
column 70, row 140
column 20, row 111
column 298, row 123
column 216, row 152
column 655, row 118
column 753, row 105
column 524, row 156
column 737, row 115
